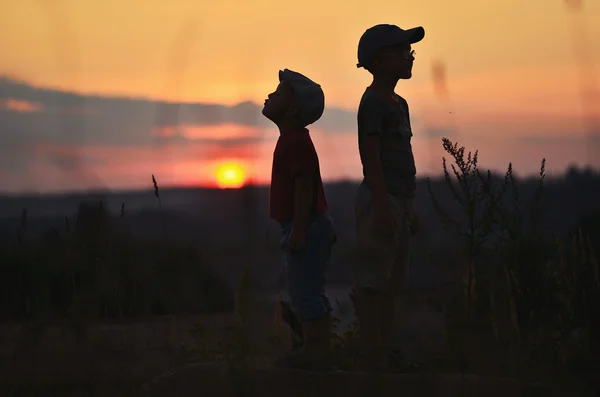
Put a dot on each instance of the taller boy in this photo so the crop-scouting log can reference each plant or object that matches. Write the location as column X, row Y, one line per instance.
column 385, row 217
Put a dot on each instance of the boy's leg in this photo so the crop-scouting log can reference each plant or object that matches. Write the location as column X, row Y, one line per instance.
column 306, row 285
column 372, row 275
column 398, row 283
column 317, row 332
column 368, row 316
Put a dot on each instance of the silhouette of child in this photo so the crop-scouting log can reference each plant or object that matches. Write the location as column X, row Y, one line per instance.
column 298, row 203
column 385, row 218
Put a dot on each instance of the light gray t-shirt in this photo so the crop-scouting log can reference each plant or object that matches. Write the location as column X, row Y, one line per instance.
column 389, row 119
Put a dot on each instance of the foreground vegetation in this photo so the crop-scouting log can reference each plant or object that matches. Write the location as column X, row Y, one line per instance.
column 93, row 268
column 534, row 292
column 524, row 303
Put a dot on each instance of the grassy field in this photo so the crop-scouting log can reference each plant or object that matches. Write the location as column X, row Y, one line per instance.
column 92, row 310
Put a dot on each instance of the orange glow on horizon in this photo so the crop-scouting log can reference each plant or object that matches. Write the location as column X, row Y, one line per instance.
column 19, row 105
column 230, row 175
column 209, row 132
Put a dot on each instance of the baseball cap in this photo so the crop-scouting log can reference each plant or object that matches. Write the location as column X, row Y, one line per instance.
column 384, row 35
column 309, row 96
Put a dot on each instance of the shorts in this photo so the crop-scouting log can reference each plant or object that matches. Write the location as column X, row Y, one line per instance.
column 305, row 269
column 382, row 263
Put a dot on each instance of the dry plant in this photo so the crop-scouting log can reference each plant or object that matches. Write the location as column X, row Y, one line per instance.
column 472, row 192
column 160, row 207
column 470, row 224
column 517, row 278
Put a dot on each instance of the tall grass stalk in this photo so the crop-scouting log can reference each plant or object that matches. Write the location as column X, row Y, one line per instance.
column 160, row 207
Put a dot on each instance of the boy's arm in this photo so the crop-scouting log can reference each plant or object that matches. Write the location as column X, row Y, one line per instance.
column 370, row 125
column 303, row 201
column 373, row 169
column 303, row 167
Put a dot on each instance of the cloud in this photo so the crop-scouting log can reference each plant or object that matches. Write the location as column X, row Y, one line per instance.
column 71, row 118
column 69, row 160
column 224, row 134
column 59, row 128
column 19, row 106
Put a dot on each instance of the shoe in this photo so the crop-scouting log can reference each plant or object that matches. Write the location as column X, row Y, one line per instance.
column 315, row 354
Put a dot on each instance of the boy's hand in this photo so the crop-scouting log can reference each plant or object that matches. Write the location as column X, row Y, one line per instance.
column 296, row 240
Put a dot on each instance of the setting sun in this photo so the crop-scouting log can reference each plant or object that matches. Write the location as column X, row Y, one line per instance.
column 230, row 175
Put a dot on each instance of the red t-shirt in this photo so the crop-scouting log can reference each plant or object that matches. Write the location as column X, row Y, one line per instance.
column 294, row 155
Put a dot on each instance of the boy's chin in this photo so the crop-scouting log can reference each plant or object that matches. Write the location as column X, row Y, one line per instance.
column 269, row 116
column 265, row 112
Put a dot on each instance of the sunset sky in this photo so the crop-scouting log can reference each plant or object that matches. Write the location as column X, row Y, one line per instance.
column 106, row 93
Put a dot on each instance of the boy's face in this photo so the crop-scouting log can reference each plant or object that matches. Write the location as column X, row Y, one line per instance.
column 395, row 61
column 279, row 105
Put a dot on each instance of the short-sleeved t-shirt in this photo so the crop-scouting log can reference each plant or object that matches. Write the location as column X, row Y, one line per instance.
column 388, row 117
column 294, row 155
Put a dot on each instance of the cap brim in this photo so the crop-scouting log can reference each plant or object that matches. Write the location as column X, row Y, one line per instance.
column 415, row 35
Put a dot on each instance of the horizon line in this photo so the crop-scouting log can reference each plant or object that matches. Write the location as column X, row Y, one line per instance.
column 211, row 187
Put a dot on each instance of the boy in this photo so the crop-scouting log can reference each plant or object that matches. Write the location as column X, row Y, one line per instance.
column 298, row 203
column 384, row 212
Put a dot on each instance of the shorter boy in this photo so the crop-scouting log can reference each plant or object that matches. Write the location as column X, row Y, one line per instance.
column 298, row 203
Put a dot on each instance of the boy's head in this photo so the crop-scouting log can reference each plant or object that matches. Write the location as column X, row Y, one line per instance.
column 386, row 50
column 297, row 99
